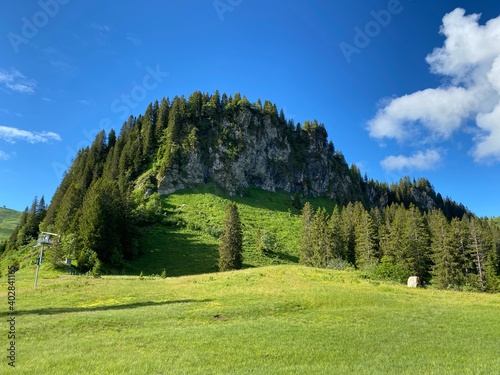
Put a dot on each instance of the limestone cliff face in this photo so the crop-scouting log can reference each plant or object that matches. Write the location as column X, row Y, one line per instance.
column 254, row 151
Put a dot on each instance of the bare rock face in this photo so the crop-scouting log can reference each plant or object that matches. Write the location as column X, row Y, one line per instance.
column 251, row 149
column 255, row 152
column 425, row 201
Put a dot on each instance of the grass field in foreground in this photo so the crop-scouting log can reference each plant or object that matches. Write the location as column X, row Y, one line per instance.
column 270, row 320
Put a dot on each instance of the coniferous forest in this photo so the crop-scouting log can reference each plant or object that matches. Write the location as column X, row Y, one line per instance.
column 396, row 242
column 392, row 230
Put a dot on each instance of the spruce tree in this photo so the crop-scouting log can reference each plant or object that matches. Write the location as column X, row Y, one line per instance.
column 348, row 231
column 337, row 247
column 445, row 270
column 366, row 240
column 482, row 251
column 417, row 238
column 319, row 238
column 477, row 250
column 231, row 242
column 306, row 252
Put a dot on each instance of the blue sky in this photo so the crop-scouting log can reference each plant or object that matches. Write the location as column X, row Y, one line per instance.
column 397, row 96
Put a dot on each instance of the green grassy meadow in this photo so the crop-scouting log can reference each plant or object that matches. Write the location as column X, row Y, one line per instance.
column 285, row 319
column 187, row 242
column 273, row 317
column 8, row 221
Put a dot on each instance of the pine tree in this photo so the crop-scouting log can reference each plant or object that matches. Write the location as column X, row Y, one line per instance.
column 169, row 150
column 148, row 132
column 349, row 233
column 162, row 119
column 392, row 244
column 231, row 242
column 445, row 270
column 417, row 238
column 478, row 251
column 337, row 247
column 482, row 251
column 365, row 244
column 306, row 252
column 105, row 223
column 319, row 238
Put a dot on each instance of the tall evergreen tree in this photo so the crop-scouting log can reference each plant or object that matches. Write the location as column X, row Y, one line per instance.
column 417, row 238
column 482, row 254
column 336, row 243
column 366, row 240
column 162, row 119
column 231, row 242
column 349, row 232
column 319, row 238
column 105, row 225
column 306, row 243
column 445, row 270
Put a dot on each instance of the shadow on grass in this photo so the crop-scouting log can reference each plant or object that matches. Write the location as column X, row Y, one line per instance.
column 258, row 198
column 177, row 251
column 65, row 310
column 283, row 256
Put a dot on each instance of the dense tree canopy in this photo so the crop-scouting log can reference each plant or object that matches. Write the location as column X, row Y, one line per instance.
column 397, row 242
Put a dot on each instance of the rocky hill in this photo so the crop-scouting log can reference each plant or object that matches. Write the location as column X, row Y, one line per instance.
column 235, row 145
column 253, row 150
column 114, row 186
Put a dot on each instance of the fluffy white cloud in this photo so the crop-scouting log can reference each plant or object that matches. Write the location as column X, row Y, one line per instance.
column 13, row 80
column 420, row 161
column 440, row 111
column 12, row 135
column 470, row 59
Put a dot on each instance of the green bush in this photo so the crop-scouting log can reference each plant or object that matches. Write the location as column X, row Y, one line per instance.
column 388, row 269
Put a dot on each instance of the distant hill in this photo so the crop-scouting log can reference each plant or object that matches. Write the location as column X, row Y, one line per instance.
column 8, row 221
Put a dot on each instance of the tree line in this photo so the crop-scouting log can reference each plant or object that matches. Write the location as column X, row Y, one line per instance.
column 398, row 242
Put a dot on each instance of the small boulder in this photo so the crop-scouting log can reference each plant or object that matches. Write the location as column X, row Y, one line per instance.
column 413, row 282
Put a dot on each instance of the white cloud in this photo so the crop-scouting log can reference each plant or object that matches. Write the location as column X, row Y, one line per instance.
column 470, row 60
column 488, row 143
column 4, row 155
column 12, row 135
column 420, row 161
column 13, row 80
column 440, row 111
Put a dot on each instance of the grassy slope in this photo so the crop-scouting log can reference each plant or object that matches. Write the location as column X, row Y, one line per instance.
column 8, row 221
column 191, row 248
column 271, row 320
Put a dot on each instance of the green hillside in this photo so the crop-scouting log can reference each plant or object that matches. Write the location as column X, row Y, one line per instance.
column 8, row 221
column 269, row 320
column 185, row 242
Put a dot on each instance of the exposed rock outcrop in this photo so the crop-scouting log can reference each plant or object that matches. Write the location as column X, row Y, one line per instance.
column 256, row 152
